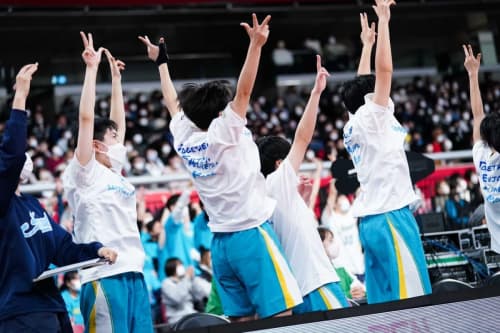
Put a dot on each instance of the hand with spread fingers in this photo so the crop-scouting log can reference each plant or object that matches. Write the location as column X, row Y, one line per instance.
column 90, row 56
column 258, row 33
column 383, row 9
column 152, row 49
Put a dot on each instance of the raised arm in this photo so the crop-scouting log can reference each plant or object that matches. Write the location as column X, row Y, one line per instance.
column 258, row 34
column 307, row 123
column 117, row 113
column 472, row 66
column 367, row 37
column 13, row 143
column 92, row 58
column 159, row 55
column 383, row 55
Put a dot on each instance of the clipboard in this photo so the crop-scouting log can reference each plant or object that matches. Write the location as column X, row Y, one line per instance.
column 73, row 267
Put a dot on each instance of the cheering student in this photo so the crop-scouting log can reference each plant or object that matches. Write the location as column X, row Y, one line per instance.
column 113, row 298
column 210, row 134
column 30, row 239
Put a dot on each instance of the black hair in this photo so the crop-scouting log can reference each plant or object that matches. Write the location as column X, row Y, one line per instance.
column 101, row 125
column 150, row 225
column 203, row 250
column 172, row 201
column 68, row 276
column 489, row 130
column 171, row 266
column 271, row 149
column 323, row 231
column 354, row 91
column 202, row 103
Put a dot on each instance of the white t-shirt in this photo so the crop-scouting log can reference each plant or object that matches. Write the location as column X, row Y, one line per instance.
column 295, row 226
column 487, row 163
column 375, row 140
column 345, row 226
column 225, row 166
column 104, row 209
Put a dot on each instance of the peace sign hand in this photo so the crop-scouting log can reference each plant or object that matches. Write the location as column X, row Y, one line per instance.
column 90, row 56
column 258, row 33
column 368, row 33
column 471, row 63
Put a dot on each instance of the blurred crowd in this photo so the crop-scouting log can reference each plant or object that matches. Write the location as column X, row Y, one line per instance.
column 435, row 113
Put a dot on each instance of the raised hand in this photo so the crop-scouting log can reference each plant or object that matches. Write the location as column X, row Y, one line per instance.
column 23, row 80
column 258, row 33
column 383, row 9
column 321, row 77
column 90, row 56
column 368, row 33
column 116, row 66
column 152, row 49
column 471, row 63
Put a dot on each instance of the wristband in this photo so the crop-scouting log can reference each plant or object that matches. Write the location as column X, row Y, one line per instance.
column 162, row 54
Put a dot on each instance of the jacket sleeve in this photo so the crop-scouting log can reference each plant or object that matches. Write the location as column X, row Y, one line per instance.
column 67, row 252
column 12, row 157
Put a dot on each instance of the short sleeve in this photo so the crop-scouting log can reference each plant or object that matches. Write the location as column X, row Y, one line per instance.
column 283, row 181
column 373, row 117
column 181, row 127
column 478, row 151
column 227, row 128
column 82, row 176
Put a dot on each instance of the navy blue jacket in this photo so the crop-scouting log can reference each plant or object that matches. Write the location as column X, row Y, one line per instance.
column 29, row 239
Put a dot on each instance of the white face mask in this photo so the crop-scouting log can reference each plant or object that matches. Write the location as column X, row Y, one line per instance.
column 344, row 206
column 180, row 271
column 333, row 250
column 117, row 155
column 27, row 170
column 76, row 285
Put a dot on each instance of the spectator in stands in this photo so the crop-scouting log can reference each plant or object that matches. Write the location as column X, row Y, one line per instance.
column 486, row 149
column 457, row 208
column 180, row 290
column 337, row 54
column 345, row 226
column 282, row 57
column 202, row 234
column 205, row 264
column 70, row 292
column 349, row 283
column 375, row 141
column 31, row 240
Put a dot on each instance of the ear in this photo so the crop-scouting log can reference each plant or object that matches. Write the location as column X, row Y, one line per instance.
column 99, row 146
column 277, row 163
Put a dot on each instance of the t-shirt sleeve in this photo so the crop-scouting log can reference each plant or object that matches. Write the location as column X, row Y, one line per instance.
column 478, row 151
column 181, row 127
column 227, row 128
column 373, row 117
column 283, row 181
column 82, row 175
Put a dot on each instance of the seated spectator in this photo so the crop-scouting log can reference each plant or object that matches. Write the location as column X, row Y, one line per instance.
column 349, row 283
column 282, row 57
column 205, row 265
column 458, row 210
column 180, row 290
column 70, row 292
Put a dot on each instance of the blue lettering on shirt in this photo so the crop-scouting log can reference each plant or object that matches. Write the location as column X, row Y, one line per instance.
column 187, row 150
column 484, row 167
column 399, row 128
column 121, row 190
column 38, row 223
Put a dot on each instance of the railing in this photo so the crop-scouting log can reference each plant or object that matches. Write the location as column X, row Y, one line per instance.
column 165, row 179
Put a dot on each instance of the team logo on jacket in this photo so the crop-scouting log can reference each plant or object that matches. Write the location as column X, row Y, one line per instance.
column 36, row 224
